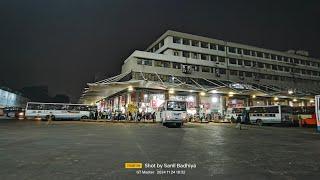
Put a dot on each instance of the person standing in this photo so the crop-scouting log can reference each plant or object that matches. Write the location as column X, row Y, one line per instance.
column 154, row 116
column 232, row 119
column 49, row 122
column 239, row 122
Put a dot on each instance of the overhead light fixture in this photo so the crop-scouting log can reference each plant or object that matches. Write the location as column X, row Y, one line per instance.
column 254, row 96
column 130, row 88
column 214, row 91
column 145, row 95
column 311, row 100
column 202, row 93
column 230, row 95
column 290, row 91
column 171, row 91
column 214, row 99
column 294, row 100
column 276, row 98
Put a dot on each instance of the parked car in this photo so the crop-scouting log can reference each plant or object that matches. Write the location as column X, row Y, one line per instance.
column 14, row 112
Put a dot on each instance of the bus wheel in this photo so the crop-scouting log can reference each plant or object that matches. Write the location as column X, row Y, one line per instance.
column 259, row 122
column 84, row 117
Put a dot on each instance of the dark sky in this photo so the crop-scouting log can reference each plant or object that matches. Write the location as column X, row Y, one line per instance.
column 64, row 43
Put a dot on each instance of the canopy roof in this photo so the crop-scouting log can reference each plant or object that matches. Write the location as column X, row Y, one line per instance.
column 108, row 87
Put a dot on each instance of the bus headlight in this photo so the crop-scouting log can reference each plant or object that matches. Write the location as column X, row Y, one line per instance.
column 20, row 113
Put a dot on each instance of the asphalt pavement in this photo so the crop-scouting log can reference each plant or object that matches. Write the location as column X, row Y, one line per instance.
column 90, row 150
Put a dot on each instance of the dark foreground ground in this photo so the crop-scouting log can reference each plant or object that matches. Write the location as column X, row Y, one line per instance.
column 89, row 150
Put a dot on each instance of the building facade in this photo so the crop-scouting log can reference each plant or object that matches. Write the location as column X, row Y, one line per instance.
column 9, row 98
column 196, row 66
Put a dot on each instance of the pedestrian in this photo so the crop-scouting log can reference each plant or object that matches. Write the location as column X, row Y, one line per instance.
column 154, row 116
column 96, row 115
column 238, row 122
column 130, row 116
column 49, row 122
column 232, row 119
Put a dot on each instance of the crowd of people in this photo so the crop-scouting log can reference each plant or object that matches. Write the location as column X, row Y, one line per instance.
column 118, row 115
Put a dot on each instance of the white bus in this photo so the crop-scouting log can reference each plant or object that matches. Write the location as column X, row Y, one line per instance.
column 317, row 110
column 57, row 111
column 173, row 113
column 233, row 112
column 270, row 114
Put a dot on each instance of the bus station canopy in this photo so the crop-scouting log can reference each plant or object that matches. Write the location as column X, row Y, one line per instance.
column 108, row 87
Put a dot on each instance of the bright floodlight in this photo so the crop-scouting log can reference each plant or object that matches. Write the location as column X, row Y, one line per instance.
column 171, row 91
column 130, row 88
column 214, row 99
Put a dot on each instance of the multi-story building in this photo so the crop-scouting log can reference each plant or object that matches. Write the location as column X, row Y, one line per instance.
column 186, row 62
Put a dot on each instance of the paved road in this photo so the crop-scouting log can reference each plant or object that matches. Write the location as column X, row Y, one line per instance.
column 86, row 150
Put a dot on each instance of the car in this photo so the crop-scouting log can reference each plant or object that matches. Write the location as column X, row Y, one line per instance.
column 14, row 112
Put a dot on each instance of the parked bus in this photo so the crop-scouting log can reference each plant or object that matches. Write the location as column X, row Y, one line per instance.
column 275, row 114
column 173, row 113
column 305, row 114
column 233, row 112
column 58, row 111
column 317, row 109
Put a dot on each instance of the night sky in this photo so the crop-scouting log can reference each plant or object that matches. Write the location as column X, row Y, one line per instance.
column 66, row 43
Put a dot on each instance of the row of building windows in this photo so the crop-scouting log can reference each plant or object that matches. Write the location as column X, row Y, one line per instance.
column 241, row 51
column 157, row 46
column 195, row 43
column 272, row 57
column 274, row 67
column 242, row 62
column 217, row 71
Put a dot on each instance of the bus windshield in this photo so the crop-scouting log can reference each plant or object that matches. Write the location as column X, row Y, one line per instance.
column 176, row 106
